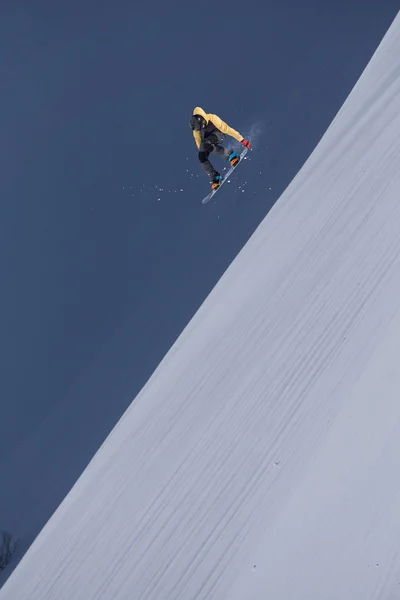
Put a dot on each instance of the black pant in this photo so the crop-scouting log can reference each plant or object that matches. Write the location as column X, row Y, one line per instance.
column 212, row 144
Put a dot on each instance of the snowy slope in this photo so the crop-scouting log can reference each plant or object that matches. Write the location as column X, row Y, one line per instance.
column 262, row 459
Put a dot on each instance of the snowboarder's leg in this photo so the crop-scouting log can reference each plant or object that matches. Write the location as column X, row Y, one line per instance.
column 204, row 152
column 212, row 144
column 223, row 152
column 227, row 153
column 206, row 165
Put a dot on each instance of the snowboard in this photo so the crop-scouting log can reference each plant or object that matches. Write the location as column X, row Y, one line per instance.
column 225, row 177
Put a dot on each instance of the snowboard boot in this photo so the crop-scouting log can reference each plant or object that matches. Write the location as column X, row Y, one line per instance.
column 233, row 159
column 216, row 181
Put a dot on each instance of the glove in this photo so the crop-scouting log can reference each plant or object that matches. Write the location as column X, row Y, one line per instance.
column 246, row 143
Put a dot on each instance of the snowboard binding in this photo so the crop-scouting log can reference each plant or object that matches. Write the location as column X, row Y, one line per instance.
column 233, row 159
column 216, row 182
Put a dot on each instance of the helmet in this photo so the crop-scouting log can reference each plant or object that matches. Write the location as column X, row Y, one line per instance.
column 197, row 122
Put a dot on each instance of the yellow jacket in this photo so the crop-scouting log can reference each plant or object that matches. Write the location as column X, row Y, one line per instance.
column 219, row 124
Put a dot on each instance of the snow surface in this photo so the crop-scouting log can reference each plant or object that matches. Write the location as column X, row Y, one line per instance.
column 262, row 459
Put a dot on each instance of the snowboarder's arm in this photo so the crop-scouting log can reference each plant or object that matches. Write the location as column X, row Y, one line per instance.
column 197, row 138
column 224, row 127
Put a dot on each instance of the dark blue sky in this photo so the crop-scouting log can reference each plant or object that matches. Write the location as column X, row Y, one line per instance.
column 100, row 271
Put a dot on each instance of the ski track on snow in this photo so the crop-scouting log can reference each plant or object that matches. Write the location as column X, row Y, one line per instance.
column 262, row 458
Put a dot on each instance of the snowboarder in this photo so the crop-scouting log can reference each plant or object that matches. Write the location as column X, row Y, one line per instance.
column 208, row 131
